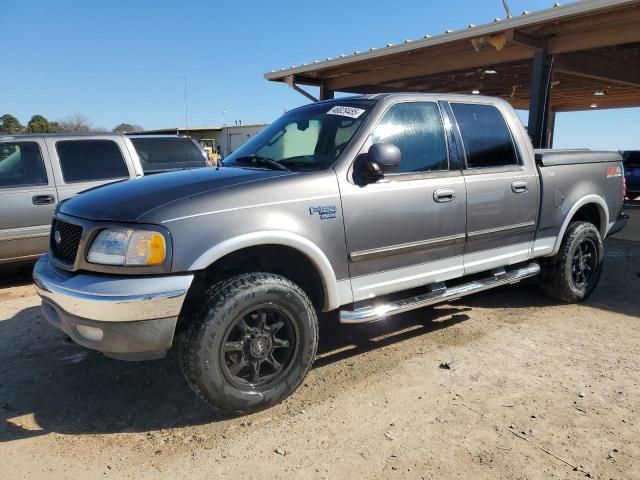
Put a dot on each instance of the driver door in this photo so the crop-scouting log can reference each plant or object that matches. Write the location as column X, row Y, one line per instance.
column 407, row 229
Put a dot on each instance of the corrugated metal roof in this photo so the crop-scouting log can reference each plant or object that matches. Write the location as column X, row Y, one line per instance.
column 556, row 13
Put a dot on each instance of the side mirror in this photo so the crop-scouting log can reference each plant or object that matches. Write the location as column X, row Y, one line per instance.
column 386, row 155
column 382, row 157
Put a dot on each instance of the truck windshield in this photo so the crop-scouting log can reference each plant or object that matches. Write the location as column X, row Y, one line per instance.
column 307, row 138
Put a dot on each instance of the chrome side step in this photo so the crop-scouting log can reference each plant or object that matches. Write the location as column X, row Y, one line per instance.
column 498, row 278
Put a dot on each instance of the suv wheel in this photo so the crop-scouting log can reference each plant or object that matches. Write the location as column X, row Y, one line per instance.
column 252, row 344
column 572, row 275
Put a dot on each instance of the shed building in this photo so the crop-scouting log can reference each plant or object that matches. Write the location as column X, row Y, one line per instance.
column 227, row 138
column 579, row 56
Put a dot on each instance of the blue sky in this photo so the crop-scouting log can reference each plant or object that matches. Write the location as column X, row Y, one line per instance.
column 125, row 61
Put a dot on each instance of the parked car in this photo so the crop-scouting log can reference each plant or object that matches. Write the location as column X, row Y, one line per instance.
column 163, row 153
column 632, row 172
column 37, row 171
column 370, row 205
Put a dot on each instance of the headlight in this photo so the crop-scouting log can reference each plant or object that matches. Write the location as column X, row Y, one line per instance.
column 124, row 246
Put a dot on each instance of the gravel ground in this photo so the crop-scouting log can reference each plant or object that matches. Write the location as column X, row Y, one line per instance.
column 505, row 384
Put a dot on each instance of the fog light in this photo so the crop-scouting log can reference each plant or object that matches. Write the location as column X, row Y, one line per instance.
column 90, row 333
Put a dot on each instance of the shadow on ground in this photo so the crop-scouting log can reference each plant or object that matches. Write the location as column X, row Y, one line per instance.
column 48, row 385
column 16, row 274
column 51, row 385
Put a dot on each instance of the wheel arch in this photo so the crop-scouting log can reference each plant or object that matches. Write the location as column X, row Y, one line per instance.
column 583, row 209
column 331, row 291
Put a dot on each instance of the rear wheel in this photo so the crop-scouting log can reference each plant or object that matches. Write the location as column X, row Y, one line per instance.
column 572, row 275
column 252, row 344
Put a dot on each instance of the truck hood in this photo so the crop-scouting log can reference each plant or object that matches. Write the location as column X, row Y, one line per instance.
column 128, row 200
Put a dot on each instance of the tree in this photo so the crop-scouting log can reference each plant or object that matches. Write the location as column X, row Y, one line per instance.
column 75, row 123
column 10, row 124
column 127, row 127
column 39, row 124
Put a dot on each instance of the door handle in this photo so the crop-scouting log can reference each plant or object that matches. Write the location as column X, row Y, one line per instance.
column 43, row 199
column 443, row 195
column 519, row 187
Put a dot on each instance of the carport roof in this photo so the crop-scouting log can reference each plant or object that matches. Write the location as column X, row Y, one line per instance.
column 595, row 45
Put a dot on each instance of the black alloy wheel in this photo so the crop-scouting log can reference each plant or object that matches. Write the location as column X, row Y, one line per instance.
column 573, row 273
column 583, row 264
column 259, row 346
column 251, row 344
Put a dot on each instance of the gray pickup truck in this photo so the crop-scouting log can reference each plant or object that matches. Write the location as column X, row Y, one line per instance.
column 370, row 205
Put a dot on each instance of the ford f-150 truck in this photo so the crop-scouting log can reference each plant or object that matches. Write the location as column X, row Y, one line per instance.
column 370, row 205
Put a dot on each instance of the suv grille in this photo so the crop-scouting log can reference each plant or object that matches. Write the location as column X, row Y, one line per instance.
column 65, row 238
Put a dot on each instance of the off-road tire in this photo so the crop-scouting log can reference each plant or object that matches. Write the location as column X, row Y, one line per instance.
column 203, row 342
column 556, row 277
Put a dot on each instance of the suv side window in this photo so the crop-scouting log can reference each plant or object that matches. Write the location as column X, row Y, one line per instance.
column 417, row 130
column 485, row 135
column 165, row 154
column 90, row 160
column 21, row 165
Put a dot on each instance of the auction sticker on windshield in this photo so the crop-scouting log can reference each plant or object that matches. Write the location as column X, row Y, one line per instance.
column 351, row 112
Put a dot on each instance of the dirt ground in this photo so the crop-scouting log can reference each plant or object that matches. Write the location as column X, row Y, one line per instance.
column 505, row 384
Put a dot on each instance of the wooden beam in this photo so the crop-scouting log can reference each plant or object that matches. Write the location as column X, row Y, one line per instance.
column 598, row 67
column 576, row 107
column 602, row 36
column 462, row 61
column 516, row 37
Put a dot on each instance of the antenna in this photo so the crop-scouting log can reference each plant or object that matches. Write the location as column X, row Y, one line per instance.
column 506, row 8
column 186, row 108
column 186, row 120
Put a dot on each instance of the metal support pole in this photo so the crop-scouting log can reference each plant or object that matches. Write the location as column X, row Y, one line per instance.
column 291, row 81
column 551, row 126
column 325, row 93
column 541, row 71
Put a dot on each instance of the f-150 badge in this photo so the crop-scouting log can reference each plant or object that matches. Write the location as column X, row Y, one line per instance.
column 326, row 212
column 613, row 172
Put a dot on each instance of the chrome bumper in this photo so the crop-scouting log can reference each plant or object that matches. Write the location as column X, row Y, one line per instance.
column 129, row 318
column 108, row 298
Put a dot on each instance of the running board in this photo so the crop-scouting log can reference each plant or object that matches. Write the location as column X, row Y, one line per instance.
column 498, row 278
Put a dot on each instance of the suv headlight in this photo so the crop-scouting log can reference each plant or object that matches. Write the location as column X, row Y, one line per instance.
column 125, row 246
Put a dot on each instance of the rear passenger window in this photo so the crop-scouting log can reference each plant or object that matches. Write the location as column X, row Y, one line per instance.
column 416, row 129
column 21, row 165
column 164, row 154
column 485, row 135
column 90, row 160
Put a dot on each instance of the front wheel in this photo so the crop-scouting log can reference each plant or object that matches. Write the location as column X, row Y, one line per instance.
column 572, row 275
column 252, row 344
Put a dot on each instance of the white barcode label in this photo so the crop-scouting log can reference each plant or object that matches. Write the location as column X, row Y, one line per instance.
column 350, row 112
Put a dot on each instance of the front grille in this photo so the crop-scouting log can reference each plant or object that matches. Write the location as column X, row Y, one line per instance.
column 65, row 238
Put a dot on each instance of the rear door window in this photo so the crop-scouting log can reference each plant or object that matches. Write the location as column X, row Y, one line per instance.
column 485, row 135
column 21, row 165
column 90, row 160
column 164, row 154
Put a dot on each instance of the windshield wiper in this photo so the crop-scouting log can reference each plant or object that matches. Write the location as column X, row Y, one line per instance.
column 269, row 162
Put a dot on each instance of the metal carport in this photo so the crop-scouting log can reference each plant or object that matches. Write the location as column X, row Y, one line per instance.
column 569, row 57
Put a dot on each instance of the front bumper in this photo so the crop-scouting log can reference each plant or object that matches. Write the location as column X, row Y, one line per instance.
column 130, row 318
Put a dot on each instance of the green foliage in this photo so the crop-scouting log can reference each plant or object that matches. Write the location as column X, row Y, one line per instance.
column 39, row 124
column 10, row 124
column 127, row 127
